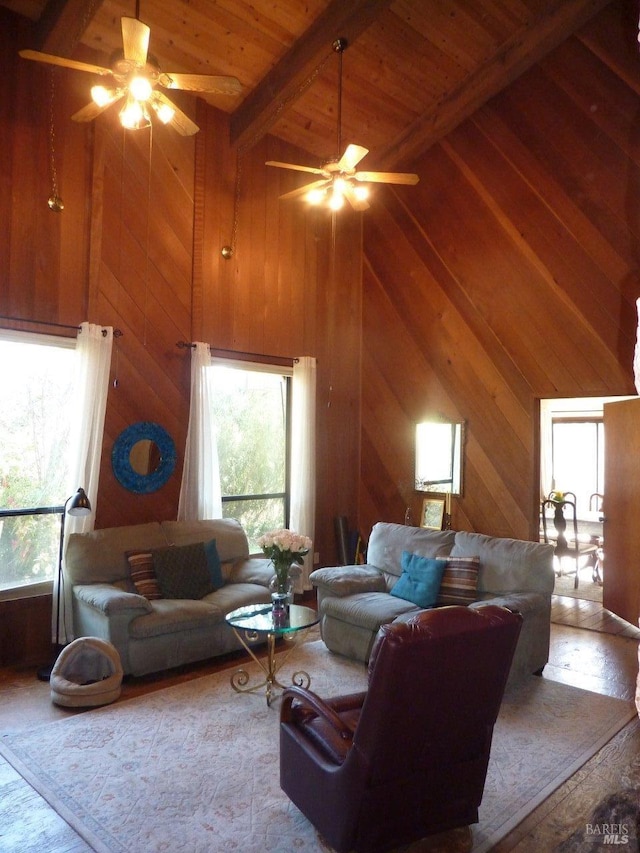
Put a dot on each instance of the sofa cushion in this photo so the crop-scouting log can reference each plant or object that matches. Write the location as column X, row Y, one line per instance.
column 231, row 540
column 508, row 565
column 143, row 575
column 388, row 541
column 460, row 581
column 182, row 571
column 420, row 579
column 172, row 616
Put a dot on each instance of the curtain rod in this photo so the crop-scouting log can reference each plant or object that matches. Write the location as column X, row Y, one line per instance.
column 116, row 332
column 245, row 356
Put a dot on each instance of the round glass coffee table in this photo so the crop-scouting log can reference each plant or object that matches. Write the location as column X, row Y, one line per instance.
column 252, row 623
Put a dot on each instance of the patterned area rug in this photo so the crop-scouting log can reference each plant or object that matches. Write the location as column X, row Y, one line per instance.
column 195, row 767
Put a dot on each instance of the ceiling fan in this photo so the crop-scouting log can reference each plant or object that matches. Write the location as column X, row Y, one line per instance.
column 134, row 75
column 339, row 179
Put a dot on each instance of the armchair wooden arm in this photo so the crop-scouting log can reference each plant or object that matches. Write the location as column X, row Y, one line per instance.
column 310, row 701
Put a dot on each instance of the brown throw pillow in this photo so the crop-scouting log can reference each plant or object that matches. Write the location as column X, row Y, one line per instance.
column 182, row 571
column 143, row 574
column 459, row 581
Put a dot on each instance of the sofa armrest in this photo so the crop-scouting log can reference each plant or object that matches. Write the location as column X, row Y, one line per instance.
column 522, row 602
column 109, row 599
column 258, row 570
column 348, row 580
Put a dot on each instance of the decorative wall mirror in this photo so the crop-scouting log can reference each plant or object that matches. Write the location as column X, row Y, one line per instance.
column 439, row 446
column 143, row 457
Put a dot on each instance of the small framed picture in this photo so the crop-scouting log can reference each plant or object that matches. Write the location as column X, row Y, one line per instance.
column 432, row 513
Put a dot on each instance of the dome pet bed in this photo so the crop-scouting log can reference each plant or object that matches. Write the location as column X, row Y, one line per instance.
column 87, row 673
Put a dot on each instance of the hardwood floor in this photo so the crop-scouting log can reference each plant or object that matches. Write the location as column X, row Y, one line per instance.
column 601, row 656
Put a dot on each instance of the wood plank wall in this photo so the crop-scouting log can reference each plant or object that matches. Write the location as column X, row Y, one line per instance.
column 138, row 247
column 509, row 274
column 292, row 288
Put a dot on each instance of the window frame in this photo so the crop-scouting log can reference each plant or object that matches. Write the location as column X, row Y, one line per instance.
column 276, row 367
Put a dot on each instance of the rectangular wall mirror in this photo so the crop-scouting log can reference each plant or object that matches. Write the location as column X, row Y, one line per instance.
column 439, row 446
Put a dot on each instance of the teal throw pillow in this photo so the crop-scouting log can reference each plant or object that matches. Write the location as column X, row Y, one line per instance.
column 182, row 571
column 420, row 579
column 213, row 563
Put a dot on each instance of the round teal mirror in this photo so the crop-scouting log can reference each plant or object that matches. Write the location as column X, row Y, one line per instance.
column 143, row 457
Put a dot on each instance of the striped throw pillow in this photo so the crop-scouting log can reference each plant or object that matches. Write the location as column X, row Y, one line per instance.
column 459, row 581
column 143, row 574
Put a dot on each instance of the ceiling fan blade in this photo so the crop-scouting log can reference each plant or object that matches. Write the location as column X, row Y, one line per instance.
column 293, row 166
column 201, row 83
column 351, row 157
column 306, row 189
column 135, row 40
column 179, row 121
column 63, row 62
column 355, row 202
column 387, row 177
column 93, row 110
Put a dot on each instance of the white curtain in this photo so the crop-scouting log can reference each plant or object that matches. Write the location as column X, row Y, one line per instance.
column 200, row 494
column 303, row 458
column 90, row 390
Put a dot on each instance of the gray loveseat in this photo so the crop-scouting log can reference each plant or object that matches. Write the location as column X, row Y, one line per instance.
column 354, row 601
column 157, row 634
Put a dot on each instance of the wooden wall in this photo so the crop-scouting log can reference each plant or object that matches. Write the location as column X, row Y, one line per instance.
column 509, row 274
column 138, row 247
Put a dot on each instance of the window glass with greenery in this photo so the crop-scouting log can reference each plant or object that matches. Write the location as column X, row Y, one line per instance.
column 35, row 393
column 252, row 414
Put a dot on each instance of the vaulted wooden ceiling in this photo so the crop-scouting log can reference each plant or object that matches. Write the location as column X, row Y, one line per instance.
column 414, row 69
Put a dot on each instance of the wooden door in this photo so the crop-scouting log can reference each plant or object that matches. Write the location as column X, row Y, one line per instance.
column 621, row 575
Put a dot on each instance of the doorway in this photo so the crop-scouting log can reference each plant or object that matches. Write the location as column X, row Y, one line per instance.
column 572, row 460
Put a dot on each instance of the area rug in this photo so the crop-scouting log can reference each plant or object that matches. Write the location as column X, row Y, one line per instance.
column 587, row 589
column 194, row 768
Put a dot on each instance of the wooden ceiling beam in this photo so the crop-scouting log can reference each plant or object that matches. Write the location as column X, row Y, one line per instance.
column 62, row 25
column 519, row 53
column 286, row 80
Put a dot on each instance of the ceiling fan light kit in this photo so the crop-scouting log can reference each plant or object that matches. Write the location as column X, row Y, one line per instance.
column 134, row 115
column 136, row 76
column 338, row 179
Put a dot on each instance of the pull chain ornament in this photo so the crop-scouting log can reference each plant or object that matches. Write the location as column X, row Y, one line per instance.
column 54, row 201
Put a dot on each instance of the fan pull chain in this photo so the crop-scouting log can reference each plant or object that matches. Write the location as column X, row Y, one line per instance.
column 148, row 230
column 339, row 47
column 55, row 202
column 228, row 251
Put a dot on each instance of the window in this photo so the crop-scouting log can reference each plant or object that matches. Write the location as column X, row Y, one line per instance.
column 578, row 458
column 251, row 408
column 35, row 392
column 572, row 448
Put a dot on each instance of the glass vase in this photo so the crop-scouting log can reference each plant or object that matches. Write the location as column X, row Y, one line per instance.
column 282, row 587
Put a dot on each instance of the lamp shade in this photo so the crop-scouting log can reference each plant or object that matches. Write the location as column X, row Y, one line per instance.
column 79, row 504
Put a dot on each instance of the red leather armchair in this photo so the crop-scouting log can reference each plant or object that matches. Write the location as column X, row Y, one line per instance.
column 408, row 757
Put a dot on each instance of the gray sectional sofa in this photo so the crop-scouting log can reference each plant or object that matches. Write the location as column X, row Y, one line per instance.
column 354, row 601
column 156, row 633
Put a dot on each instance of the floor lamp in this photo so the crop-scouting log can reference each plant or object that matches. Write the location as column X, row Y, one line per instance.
column 77, row 504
